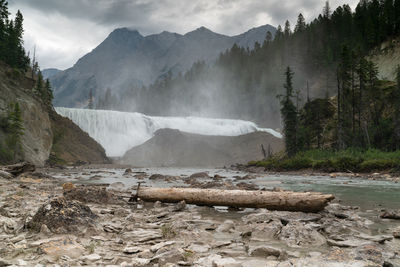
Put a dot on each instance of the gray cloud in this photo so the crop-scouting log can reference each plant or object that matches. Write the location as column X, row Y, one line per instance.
column 63, row 31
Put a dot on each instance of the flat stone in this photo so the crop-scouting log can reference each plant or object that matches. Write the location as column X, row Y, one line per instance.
column 263, row 263
column 132, row 250
column 220, row 244
column 264, row 251
column 226, row 262
column 351, row 243
column 21, row 262
column 376, row 238
column 61, row 247
column 170, row 256
column 140, row 262
column 158, row 246
column 91, row 257
column 207, row 261
column 198, row 248
column 142, row 235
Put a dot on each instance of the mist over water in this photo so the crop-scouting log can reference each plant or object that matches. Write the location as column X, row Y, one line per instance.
column 118, row 131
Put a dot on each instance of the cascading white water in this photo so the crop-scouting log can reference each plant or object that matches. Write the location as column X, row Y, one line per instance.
column 118, row 131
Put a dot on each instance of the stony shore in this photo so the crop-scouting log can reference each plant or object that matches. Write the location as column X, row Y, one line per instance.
column 387, row 176
column 47, row 222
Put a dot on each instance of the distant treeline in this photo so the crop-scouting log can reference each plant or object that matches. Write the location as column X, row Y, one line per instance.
column 243, row 83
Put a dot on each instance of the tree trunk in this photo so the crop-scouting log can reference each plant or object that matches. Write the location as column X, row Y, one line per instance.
column 286, row 200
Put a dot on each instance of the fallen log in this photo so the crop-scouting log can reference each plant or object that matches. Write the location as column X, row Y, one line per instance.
column 285, row 201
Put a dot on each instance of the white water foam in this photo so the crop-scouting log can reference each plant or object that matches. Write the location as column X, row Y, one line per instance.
column 118, row 131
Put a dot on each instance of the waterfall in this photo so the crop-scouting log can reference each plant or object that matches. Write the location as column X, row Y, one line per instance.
column 118, row 131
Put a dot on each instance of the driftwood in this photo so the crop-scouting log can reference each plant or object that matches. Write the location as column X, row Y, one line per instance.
column 17, row 169
column 286, row 200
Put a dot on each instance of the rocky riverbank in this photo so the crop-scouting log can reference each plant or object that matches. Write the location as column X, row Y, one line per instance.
column 384, row 175
column 47, row 221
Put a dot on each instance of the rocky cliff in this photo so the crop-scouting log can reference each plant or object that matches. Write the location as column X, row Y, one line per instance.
column 173, row 148
column 37, row 138
column 42, row 125
column 387, row 58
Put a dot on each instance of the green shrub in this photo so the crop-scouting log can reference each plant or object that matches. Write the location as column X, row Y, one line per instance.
column 378, row 165
column 352, row 159
column 325, row 165
column 296, row 163
column 347, row 163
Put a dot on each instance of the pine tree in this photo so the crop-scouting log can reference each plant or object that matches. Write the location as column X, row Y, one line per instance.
column 301, row 24
column 39, row 88
column 289, row 115
column 48, row 92
column 278, row 34
column 268, row 37
column 16, row 129
column 287, row 31
column 326, row 12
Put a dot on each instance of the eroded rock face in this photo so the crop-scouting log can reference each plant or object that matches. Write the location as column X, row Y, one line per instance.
column 38, row 137
column 63, row 216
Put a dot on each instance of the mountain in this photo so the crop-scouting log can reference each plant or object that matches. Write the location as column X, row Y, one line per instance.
column 127, row 59
column 173, row 148
column 47, row 73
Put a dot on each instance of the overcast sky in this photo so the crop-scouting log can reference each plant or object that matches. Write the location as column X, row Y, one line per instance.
column 65, row 30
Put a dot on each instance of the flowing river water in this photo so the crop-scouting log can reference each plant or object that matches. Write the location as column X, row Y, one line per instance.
column 369, row 195
column 365, row 193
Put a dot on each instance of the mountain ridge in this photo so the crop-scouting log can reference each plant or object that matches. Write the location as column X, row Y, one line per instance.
column 127, row 59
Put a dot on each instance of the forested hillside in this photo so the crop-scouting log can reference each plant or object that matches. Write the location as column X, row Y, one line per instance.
column 30, row 129
column 12, row 51
column 244, row 83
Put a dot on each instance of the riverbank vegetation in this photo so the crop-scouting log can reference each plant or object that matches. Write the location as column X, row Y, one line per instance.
column 330, row 160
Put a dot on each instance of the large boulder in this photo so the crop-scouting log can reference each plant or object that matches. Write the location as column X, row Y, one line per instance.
column 63, row 216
